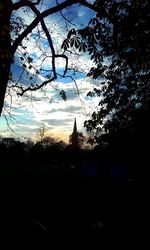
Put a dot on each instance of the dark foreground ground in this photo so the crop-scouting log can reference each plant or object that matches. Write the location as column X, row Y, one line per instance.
column 47, row 207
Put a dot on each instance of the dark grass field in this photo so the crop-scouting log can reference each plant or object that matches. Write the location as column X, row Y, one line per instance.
column 46, row 204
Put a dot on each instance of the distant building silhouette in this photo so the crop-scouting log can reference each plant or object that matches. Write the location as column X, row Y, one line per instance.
column 8, row 141
column 75, row 143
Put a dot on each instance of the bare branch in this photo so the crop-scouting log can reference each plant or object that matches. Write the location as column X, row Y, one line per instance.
column 66, row 20
column 66, row 66
column 43, row 15
column 53, row 51
column 7, row 120
column 40, row 19
column 23, row 3
column 34, row 88
column 51, row 47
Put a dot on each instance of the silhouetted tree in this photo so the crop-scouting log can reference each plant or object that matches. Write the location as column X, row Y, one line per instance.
column 13, row 32
column 48, row 150
column 11, row 149
column 118, row 40
column 82, row 140
column 3, row 151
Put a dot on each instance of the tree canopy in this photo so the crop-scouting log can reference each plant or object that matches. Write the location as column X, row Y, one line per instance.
column 118, row 40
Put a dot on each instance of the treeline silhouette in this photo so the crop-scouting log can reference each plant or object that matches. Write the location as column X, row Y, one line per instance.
column 128, row 146
column 47, row 150
column 62, row 203
column 123, row 152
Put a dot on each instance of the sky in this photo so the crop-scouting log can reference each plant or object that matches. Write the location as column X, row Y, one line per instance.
column 46, row 108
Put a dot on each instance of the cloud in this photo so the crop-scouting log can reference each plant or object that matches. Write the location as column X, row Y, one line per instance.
column 58, row 122
column 46, row 107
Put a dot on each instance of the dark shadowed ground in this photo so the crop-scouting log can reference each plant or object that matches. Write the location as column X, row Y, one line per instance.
column 42, row 205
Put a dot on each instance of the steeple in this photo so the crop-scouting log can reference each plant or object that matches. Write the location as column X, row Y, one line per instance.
column 75, row 126
column 75, row 135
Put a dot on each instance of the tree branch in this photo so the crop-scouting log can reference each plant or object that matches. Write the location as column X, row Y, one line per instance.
column 40, row 19
column 66, row 20
column 34, row 9
column 51, row 47
column 43, row 15
column 66, row 67
column 34, row 88
column 23, row 3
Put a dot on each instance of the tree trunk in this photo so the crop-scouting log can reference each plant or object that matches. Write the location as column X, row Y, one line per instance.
column 5, row 48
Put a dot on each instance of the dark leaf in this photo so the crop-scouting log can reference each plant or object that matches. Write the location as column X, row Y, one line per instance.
column 63, row 95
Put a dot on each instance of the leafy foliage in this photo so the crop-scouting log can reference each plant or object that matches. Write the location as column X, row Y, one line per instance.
column 16, row 26
column 118, row 41
column 63, row 95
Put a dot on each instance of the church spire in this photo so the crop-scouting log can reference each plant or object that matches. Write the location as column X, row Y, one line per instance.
column 75, row 135
column 75, row 126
